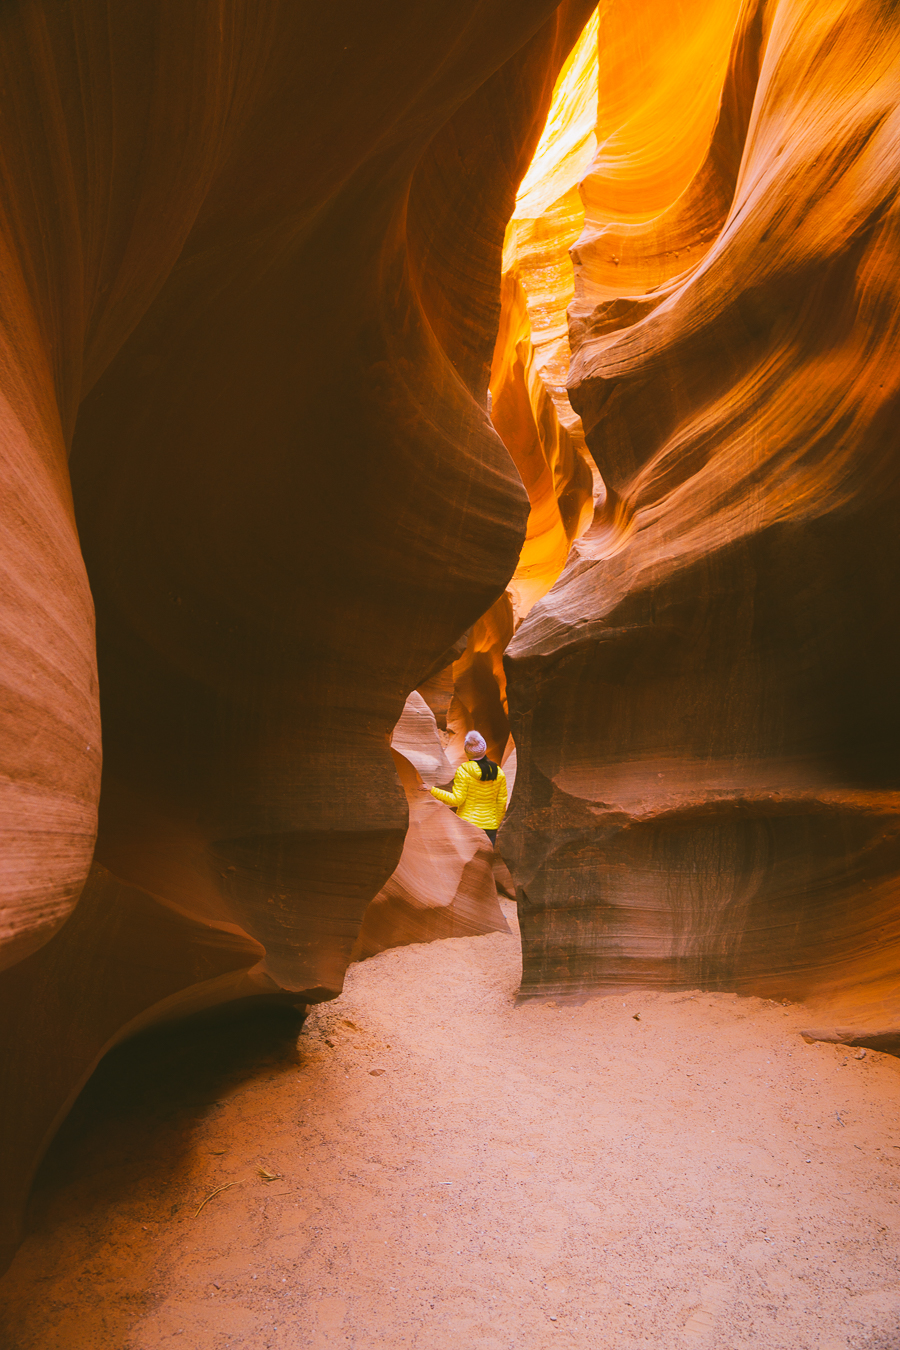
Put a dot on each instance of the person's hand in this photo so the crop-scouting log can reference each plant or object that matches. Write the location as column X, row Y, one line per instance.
column 423, row 787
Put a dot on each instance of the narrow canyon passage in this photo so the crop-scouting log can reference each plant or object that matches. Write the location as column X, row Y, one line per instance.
column 447, row 1168
column 375, row 374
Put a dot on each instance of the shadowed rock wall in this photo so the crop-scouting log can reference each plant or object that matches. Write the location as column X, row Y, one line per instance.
column 250, row 256
column 704, row 706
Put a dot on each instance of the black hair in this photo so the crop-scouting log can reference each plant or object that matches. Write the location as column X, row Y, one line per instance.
column 488, row 769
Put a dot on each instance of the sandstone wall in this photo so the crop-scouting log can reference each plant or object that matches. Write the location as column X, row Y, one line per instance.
column 250, row 256
column 704, row 706
column 530, row 408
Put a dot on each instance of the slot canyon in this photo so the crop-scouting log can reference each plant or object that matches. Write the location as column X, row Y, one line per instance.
column 372, row 375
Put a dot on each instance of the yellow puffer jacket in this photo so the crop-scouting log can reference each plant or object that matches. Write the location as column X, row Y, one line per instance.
column 481, row 803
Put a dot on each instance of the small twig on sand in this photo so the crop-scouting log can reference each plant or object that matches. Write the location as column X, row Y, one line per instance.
column 212, row 1195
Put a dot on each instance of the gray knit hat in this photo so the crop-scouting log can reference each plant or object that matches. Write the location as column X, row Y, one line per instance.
column 476, row 745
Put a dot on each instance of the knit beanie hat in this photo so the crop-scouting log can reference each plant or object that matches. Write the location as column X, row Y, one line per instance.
column 476, row 745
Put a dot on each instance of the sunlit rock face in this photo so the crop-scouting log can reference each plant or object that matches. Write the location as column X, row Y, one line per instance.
column 251, row 268
column 529, row 405
column 704, row 704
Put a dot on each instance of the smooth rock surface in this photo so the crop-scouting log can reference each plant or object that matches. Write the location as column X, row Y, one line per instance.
column 251, row 266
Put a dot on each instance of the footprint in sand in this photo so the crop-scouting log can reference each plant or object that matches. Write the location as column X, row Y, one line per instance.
column 703, row 1318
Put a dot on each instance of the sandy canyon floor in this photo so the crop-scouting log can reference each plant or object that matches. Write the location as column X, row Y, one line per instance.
column 428, row 1165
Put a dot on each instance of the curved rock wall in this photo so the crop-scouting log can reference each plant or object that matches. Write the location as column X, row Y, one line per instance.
column 250, row 256
column 707, row 729
column 530, row 408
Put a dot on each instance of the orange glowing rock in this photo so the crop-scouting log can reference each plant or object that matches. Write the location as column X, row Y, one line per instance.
column 708, row 739
column 529, row 405
column 479, row 684
column 659, row 93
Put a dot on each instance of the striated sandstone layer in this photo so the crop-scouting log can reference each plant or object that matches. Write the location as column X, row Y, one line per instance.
column 704, row 706
column 250, row 259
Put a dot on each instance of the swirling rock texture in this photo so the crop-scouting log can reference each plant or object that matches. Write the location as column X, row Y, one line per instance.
column 529, row 405
column 704, row 705
column 250, row 257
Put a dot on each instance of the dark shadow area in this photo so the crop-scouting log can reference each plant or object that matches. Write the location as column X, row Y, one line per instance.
column 139, row 1112
column 138, row 1153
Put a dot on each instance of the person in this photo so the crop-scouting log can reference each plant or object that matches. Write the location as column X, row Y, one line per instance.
column 479, row 788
